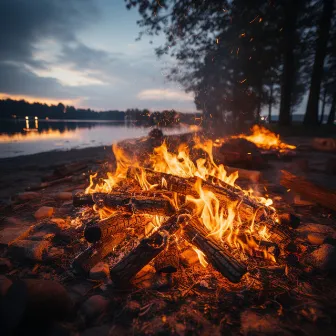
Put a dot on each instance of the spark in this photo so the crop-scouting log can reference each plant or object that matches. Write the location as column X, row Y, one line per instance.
column 254, row 19
column 243, row 81
column 237, row 51
column 242, row 35
column 260, row 20
column 217, row 40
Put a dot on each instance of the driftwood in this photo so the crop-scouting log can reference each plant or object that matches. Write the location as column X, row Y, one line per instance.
column 65, row 170
column 132, row 204
column 124, row 271
column 309, row 190
column 226, row 193
column 43, row 185
column 116, row 223
column 196, row 234
column 168, row 261
column 95, row 253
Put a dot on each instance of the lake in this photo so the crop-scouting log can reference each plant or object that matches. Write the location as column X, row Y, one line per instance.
column 23, row 137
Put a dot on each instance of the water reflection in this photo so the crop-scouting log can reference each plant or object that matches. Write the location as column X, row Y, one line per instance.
column 30, row 135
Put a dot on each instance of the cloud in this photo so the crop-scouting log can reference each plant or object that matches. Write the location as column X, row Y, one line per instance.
column 164, row 94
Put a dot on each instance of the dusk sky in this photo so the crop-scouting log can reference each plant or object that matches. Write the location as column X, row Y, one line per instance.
column 83, row 53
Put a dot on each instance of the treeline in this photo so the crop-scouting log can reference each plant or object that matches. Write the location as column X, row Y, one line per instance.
column 20, row 109
column 241, row 56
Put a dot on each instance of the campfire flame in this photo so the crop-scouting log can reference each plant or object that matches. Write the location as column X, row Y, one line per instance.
column 222, row 221
column 266, row 139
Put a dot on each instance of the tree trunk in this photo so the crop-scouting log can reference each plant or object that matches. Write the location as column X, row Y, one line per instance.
column 291, row 10
column 311, row 116
column 332, row 113
column 270, row 103
column 323, row 105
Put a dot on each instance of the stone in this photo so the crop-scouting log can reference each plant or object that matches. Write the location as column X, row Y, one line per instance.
column 323, row 258
column 253, row 323
column 29, row 249
column 9, row 235
column 14, row 221
column 316, row 238
column 44, row 212
column 5, row 265
column 100, row 271
column 28, row 195
column 42, row 235
column 64, row 196
column 54, row 253
column 189, row 257
column 93, row 308
column 35, row 300
column 321, row 229
column 59, row 221
column 5, row 283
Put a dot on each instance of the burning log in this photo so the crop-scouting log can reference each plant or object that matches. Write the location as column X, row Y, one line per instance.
column 252, row 175
column 308, row 190
column 133, row 204
column 84, row 262
column 147, row 250
column 225, row 192
column 196, row 234
column 168, row 261
column 118, row 222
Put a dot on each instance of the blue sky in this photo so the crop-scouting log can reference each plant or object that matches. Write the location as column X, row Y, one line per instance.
column 84, row 53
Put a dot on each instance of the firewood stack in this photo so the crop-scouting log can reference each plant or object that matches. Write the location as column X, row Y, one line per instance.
column 137, row 210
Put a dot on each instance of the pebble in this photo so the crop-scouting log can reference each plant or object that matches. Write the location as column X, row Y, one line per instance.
column 5, row 265
column 317, row 228
column 29, row 195
column 323, row 258
column 64, row 196
column 189, row 257
column 316, row 238
column 93, row 308
column 44, row 212
column 100, row 271
column 5, row 283
column 29, row 249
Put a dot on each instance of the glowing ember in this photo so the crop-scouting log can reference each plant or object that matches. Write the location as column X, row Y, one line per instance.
column 266, row 139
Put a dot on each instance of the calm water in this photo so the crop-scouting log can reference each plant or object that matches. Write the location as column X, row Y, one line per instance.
column 22, row 137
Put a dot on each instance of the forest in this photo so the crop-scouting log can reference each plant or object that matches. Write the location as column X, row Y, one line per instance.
column 242, row 57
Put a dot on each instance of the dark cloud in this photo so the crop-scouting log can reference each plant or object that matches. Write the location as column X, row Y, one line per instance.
column 24, row 23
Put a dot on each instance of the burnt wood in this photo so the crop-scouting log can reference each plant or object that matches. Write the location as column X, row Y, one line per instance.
column 129, row 203
column 309, row 190
column 215, row 254
column 116, row 223
column 125, row 270
column 168, row 261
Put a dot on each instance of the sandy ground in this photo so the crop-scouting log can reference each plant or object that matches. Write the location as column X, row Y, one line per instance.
column 19, row 172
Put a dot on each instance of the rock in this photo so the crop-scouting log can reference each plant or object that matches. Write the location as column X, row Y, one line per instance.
column 64, row 196
column 189, row 257
column 44, row 212
column 323, row 258
column 316, row 238
column 5, row 283
column 9, row 235
column 257, row 324
column 28, row 195
column 5, row 265
column 79, row 291
column 41, row 235
column 29, row 249
column 100, row 271
column 93, row 308
column 14, row 221
column 323, row 230
column 59, row 221
column 35, row 300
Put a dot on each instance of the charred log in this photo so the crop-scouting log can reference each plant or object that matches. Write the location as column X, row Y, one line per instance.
column 309, row 190
column 289, row 219
column 168, row 261
column 196, row 234
column 95, row 253
column 124, row 271
column 225, row 192
column 116, row 223
column 132, row 204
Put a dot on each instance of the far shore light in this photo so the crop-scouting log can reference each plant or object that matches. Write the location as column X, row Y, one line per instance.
column 27, row 117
